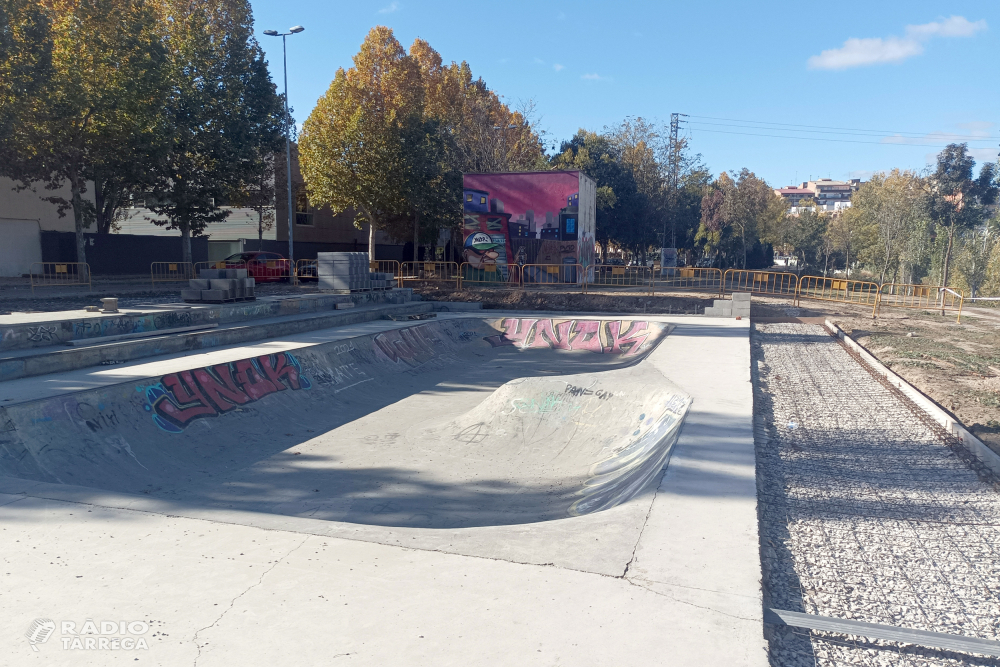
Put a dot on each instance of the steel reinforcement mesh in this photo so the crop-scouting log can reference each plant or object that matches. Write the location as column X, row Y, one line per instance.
column 868, row 510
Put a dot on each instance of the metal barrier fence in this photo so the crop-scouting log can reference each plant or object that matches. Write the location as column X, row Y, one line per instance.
column 553, row 275
column 385, row 266
column 220, row 264
column 306, row 269
column 499, row 276
column 429, row 272
column 925, row 297
column 690, row 278
column 60, row 274
column 760, row 282
column 841, row 290
column 167, row 272
column 611, row 276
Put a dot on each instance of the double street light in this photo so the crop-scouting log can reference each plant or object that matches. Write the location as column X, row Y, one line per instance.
column 288, row 145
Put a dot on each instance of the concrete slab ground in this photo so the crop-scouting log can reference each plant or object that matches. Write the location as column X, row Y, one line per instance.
column 670, row 577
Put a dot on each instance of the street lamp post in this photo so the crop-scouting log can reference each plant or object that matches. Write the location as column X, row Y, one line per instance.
column 288, row 147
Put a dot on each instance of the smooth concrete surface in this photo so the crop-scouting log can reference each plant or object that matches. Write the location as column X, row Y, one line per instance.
column 670, row 577
column 21, row 330
column 32, row 362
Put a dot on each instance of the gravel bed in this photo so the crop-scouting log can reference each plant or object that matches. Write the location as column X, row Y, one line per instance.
column 868, row 511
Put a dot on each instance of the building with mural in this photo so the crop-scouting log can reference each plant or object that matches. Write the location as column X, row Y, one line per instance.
column 535, row 219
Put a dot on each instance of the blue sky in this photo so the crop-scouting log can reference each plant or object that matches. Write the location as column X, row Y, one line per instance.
column 916, row 74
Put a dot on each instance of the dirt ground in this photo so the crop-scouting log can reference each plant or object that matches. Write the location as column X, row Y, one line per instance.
column 957, row 365
column 566, row 300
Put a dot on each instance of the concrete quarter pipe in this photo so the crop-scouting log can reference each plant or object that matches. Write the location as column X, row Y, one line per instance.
column 452, row 423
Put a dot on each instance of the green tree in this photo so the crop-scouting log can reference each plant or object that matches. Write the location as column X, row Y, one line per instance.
column 890, row 209
column 85, row 103
column 221, row 116
column 957, row 200
column 973, row 260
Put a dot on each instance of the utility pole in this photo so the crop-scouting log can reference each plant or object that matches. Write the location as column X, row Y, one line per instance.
column 673, row 178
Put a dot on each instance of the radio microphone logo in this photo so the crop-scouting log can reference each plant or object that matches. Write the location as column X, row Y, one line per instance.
column 39, row 632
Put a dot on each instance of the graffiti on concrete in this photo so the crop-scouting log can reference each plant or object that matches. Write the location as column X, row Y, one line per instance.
column 601, row 336
column 180, row 398
column 41, row 333
column 412, row 346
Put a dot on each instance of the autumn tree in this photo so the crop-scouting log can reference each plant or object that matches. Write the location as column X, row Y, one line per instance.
column 83, row 99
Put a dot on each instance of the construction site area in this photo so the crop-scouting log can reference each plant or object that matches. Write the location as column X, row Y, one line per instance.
column 692, row 467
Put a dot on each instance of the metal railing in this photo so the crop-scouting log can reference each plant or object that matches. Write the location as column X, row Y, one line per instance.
column 167, row 272
column 429, row 272
column 60, row 274
column 499, row 276
column 760, row 282
column 860, row 292
column 218, row 264
column 924, row 297
column 384, row 266
column 609, row 276
column 690, row 278
column 306, row 269
column 553, row 275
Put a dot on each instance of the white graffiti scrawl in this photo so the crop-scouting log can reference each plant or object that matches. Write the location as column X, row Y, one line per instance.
column 623, row 337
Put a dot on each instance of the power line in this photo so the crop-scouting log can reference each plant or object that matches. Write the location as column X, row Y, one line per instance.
column 853, row 133
column 842, row 141
column 825, row 127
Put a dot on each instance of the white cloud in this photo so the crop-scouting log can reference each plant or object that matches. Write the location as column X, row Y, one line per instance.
column 393, row 6
column 557, row 67
column 877, row 50
column 954, row 26
column 592, row 77
column 539, row 61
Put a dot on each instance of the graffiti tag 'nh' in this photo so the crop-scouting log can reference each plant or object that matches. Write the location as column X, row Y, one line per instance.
column 603, row 337
column 180, row 398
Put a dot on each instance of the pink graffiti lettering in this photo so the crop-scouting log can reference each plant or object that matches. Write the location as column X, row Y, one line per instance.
column 209, row 392
column 632, row 339
column 574, row 335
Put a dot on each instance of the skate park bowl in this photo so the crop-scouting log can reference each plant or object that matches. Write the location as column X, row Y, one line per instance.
column 448, row 423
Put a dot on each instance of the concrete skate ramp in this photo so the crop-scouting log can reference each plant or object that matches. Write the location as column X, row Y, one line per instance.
column 451, row 423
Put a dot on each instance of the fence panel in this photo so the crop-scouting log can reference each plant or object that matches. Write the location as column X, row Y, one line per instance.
column 220, row 264
column 841, row 290
column 436, row 272
column 607, row 276
column 60, row 274
column 760, row 282
column 552, row 275
column 498, row 276
column 690, row 278
column 306, row 269
column 168, row 272
column 385, row 266
column 926, row 297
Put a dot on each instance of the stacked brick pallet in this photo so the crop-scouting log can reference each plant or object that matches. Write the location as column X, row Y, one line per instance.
column 738, row 307
column 219, row 286
column 345, row 272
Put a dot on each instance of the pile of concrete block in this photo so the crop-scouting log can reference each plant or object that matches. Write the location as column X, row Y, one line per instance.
column 220, row 285
column 739, row 306
column 345, row 272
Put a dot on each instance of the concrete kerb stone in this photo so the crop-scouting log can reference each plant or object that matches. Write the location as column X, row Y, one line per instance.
column 987, row 456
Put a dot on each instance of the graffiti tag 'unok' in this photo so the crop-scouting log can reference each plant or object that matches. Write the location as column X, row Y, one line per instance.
column 603, row 337
column 180, row 398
